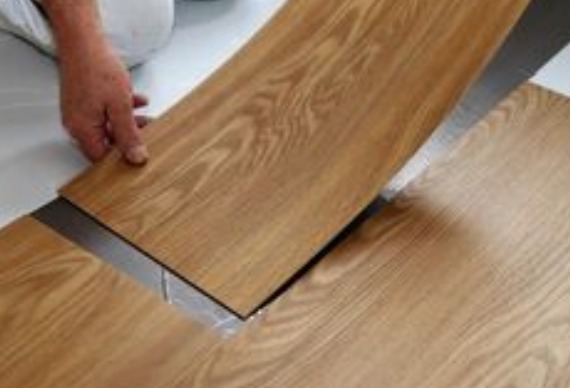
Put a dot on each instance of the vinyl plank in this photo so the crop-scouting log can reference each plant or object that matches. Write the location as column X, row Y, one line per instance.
column 254, row 172
column 463, row 281
column 68, row 320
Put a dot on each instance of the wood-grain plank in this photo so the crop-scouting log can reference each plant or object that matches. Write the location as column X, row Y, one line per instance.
column 67, row 320
column 464, row 281
column 261, row 166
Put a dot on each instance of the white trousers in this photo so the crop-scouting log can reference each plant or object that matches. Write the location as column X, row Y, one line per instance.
column 135, row 28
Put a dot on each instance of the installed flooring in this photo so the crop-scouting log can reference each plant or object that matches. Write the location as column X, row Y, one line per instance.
column 67, row 320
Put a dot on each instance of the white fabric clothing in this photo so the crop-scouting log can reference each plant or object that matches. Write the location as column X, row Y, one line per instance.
column 135, row 28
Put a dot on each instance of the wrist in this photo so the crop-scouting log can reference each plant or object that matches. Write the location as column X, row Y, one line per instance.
column 76, row 27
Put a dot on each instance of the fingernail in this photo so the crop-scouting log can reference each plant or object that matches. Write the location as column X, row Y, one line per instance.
column 137, row 155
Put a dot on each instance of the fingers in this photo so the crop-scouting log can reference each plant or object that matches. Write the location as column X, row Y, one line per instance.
column 96, row 142
column 121, row 129
column 126, row 133
column 139, row 101
column 92, row 141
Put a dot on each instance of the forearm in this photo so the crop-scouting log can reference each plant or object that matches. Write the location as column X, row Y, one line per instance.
column 76, row 27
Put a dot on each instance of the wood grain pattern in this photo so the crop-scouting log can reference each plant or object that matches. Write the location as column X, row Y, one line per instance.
column 67, row 320
column 261, row 166
column 463, row 282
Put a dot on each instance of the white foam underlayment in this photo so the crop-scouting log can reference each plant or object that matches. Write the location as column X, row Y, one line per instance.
column 556, row 74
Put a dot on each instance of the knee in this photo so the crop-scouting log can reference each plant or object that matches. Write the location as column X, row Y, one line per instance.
column 137, row 28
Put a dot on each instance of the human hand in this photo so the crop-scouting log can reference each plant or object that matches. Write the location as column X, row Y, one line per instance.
column 97, row 104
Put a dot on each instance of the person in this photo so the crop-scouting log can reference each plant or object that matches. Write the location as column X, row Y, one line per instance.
column 95, row 42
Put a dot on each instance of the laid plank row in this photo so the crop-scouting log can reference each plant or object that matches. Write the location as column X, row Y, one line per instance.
column 67, row 320
column 463, row 282
column 258, row 169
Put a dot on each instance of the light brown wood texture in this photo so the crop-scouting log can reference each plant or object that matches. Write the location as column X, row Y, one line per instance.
column 67, row 320
column 463, row 282
column 258, row 169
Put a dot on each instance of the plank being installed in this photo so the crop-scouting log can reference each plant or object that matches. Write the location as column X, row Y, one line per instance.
column 67, row 320
column 254, row 172
column 463, row 281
